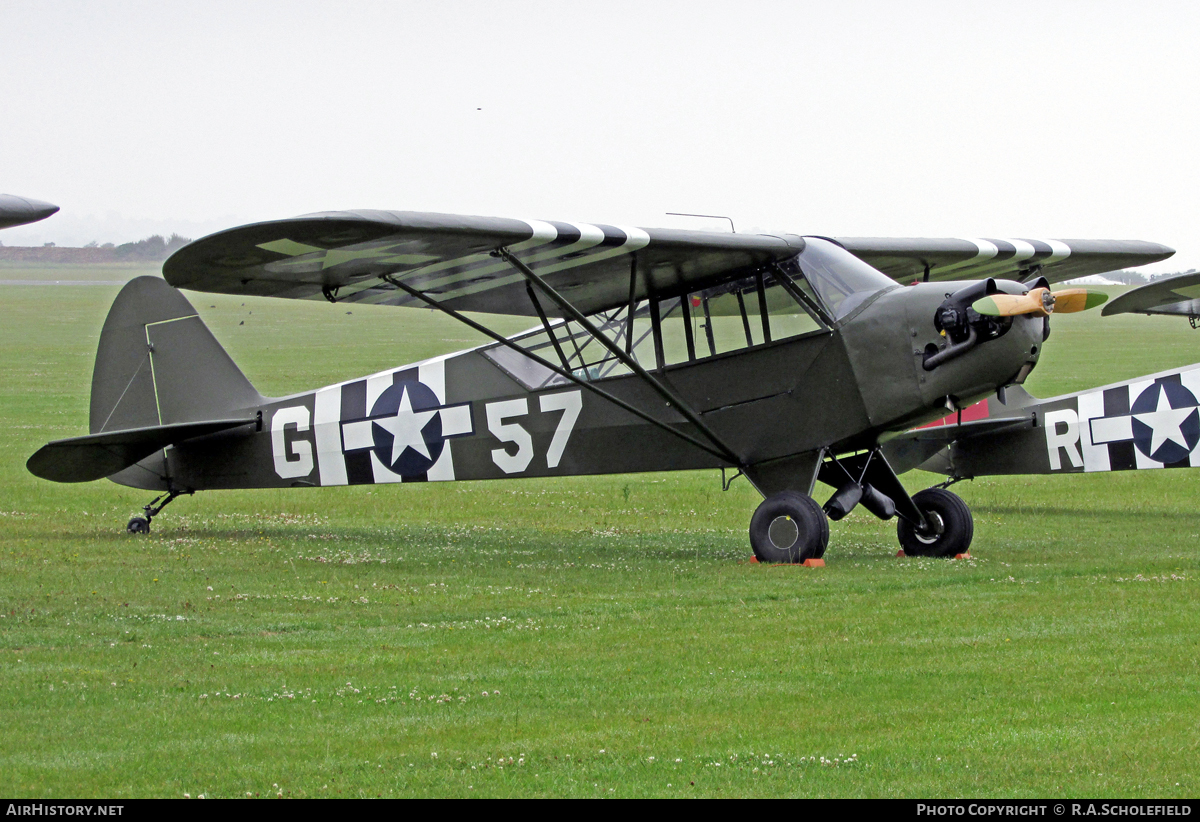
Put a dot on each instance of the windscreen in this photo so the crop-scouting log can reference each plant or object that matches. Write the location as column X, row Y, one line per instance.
column 841, row 280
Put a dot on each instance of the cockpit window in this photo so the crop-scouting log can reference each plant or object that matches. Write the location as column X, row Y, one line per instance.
column 841, row 280
column 752, row 311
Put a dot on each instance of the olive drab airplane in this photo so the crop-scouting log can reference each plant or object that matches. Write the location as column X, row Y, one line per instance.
column 792, row 360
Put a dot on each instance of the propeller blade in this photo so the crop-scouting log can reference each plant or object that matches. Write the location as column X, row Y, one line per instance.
column 1038, row 301
column 1070, row 300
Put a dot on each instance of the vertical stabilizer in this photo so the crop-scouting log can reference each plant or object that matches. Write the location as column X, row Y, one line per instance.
column 158, row 364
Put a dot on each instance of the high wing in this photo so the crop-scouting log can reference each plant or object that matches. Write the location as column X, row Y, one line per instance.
column 905, row 259
column 345, row 256
column 1170, row 295
column 362, row 256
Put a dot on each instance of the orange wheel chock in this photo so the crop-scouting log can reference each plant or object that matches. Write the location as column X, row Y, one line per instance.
column 808, row 563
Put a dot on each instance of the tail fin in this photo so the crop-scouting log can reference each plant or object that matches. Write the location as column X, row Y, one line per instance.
column 160, row 378
column 158, row 364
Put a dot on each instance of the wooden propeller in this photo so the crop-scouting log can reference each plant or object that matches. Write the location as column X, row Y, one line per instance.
column 1040, row 302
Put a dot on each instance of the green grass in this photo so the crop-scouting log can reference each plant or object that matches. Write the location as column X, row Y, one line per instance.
column 330, row 642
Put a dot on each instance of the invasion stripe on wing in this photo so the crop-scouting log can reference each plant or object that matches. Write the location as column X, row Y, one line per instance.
column 589, row 236
column 543, row 233
column 635, row 239
column 995, row 255
column 985, row 251
column 469, row 266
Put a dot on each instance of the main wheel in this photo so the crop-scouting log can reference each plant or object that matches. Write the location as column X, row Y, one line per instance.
column 950, row 526
column 789, row 527
column 138, row 525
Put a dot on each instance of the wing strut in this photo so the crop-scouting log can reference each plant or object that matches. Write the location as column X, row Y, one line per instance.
column 500, row 338
column 537, row 305
column 666, row 393
column 633, row 304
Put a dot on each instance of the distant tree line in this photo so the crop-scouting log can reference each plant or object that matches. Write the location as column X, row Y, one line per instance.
column 1131, row 276
column 153, row 248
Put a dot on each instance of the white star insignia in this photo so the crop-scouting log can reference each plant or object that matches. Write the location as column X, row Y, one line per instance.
column 1165, row 423
column 406, row 428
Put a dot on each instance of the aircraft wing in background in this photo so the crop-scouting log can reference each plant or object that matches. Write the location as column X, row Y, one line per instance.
column 16, row 211
column 1170, row 295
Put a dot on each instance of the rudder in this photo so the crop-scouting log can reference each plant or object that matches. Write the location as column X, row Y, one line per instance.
column 158, row 364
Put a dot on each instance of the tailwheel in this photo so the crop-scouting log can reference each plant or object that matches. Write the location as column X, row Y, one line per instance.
column 949, row 526
column 141, row 525
column 789, row 527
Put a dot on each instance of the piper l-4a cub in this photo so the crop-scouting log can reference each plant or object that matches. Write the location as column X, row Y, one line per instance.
column 789, row 359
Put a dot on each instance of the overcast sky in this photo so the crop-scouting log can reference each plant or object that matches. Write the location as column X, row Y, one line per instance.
column 1040, row 119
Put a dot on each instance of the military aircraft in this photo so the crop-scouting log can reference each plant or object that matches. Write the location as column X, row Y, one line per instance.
column 15, row 211
column 786, row 359
column 1144, row 423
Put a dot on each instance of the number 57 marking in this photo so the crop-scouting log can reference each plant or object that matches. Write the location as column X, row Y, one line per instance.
column 569, row 402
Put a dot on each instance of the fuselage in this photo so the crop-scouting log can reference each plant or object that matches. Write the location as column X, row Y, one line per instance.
column 491, row 413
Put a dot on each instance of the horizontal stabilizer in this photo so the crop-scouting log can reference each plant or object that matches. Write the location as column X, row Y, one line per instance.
column 83, row 459
column 946, row 434
column 917, row 447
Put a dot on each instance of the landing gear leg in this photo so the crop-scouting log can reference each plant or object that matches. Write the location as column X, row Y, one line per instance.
column 141, row 525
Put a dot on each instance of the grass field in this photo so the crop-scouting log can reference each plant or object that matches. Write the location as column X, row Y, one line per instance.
column 576, row 637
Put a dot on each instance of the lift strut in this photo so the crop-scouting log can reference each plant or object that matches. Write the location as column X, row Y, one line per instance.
column 627, row 360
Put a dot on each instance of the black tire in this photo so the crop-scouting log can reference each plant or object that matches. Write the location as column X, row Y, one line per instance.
column 138, row 525
column 789, row 527
column 953, row 527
